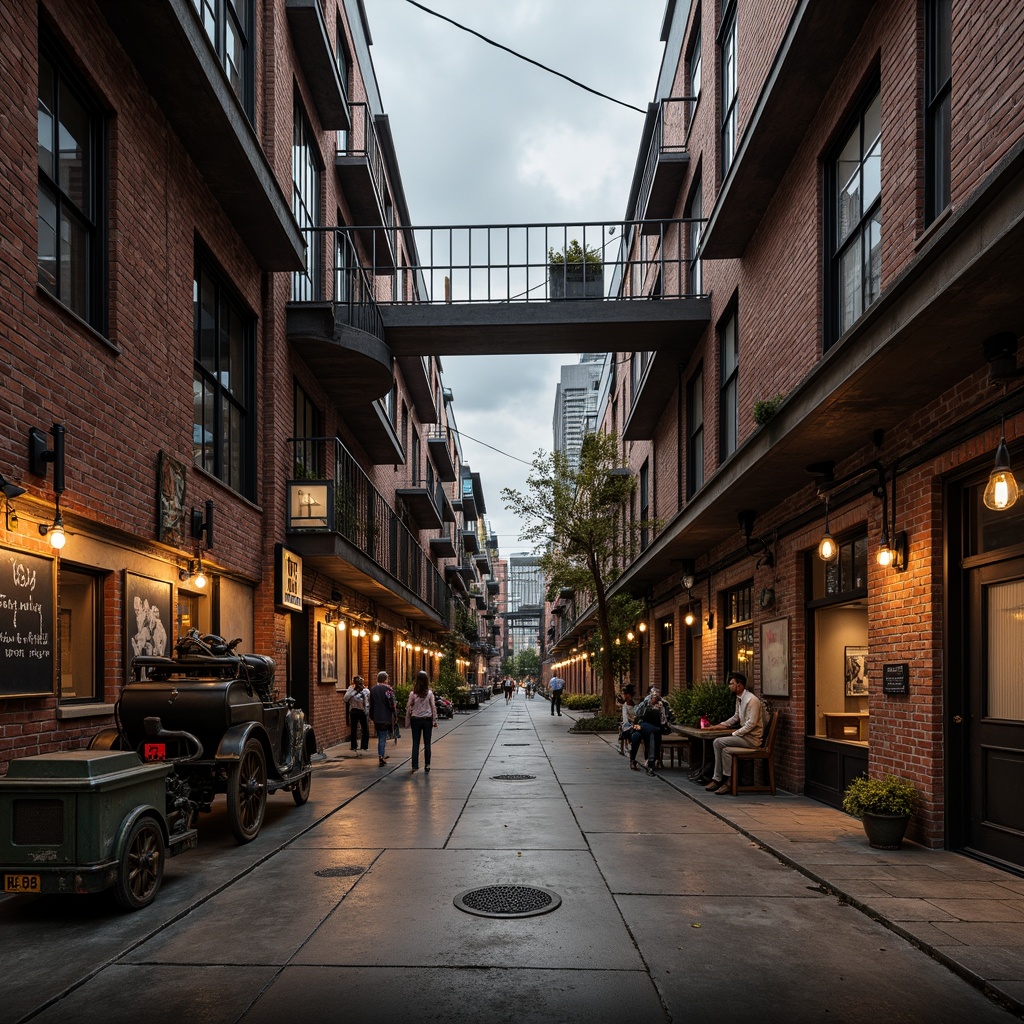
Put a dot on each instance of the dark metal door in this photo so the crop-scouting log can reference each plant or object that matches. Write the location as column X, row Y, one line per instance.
column 996, row 708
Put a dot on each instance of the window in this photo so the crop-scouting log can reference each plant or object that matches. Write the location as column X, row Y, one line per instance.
column 306, row 171
column 190, row 608
column 938, row 84
column 695, row 64
column 343, row 60
column 71, row 225
column 415, row 458
column 695, row 434
column 729, row 401
column 306, row 427
column 228, row 25
column 645, row 505
column 739, row 630
column 81, row 603
column 856, row 218
column 695, row 213
column 223, row 388
column 728, row 44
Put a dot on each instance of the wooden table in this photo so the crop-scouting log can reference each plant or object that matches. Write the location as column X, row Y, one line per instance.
column 704, row 737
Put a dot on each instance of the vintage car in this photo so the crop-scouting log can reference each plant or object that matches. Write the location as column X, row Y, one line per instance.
column 249, row 743
column 81, row 821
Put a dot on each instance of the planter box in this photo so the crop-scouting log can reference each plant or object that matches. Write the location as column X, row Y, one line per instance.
column 574, row 281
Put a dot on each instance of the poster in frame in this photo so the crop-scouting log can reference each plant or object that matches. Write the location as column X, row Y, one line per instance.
column 855, row 671
column 171, row 476
column 147, row 614
column 775, row 658
column 328, row 653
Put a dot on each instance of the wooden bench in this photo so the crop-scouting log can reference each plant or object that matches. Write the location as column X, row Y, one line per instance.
column 764, row 753
column 677, row 748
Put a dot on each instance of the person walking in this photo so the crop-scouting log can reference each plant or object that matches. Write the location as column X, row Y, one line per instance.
column 506, row 687
column 383, row 711
column 357, row 702
column 421, row 717
column 556, row 685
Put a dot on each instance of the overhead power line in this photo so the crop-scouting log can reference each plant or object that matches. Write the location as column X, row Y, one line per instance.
column 529, row 60
column 491, row 446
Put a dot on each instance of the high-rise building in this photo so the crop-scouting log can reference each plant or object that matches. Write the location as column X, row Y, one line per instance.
column 576, row 403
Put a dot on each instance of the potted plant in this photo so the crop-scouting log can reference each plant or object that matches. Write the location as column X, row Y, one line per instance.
column 884, row 806
column 576, row 272
column 766, row 408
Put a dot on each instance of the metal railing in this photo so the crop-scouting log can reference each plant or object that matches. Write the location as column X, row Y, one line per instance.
column 363, row 517
column 626, row 260
column 361, row 141
column 671, row 136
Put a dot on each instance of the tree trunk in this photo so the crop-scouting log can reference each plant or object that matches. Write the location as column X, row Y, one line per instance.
column 607, row 673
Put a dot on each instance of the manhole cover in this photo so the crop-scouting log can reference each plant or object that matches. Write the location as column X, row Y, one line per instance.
column 513, row 778
column 508, row 901
column 344, row 872
column 515, row 744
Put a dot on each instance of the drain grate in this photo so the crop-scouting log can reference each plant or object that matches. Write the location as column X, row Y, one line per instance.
column 513, row 778
column 343, row 872
column 515, row 744
column 508, row 901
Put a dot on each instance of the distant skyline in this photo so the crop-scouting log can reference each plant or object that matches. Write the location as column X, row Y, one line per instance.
column 485, row 138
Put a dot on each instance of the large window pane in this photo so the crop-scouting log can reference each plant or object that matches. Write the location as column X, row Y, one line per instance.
column 45, row 117
column 1004, row 683
column 74, row 156
column 47, row 241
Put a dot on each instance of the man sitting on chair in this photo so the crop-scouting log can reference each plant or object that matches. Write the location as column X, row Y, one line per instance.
column 749, row 733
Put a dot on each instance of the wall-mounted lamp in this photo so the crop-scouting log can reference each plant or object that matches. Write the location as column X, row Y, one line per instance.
column 202, row 526
column 9, row 491
column 711, row 615
column 892, row 547
column 39, row 459
column 194, row 572
column 689, row 618
column 828, row 549
column 642, row 627
column 375, row 637
column 1001, row 491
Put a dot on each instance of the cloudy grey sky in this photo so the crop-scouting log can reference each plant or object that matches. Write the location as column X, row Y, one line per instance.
column 485, row 138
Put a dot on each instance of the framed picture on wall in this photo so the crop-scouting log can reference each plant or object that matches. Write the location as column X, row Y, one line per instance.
column 171, row 501
column 328, row 653
column 148, row 623
column 855, row 671
column 775, row 658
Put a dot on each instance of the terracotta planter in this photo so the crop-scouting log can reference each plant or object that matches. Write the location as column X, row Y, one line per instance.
column 885, row 831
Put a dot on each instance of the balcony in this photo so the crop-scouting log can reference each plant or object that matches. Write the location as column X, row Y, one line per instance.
column 470, row 542
column 483, row 563
column 422, row 505
column 819, row 37
column 319, row 64
column 343, row 528
column 443, row 546
column 469, row 509
column 439, row 446
column 661, row 169
column 171, row 51
column 416, row 374
column 360, row 167
column 493, row 586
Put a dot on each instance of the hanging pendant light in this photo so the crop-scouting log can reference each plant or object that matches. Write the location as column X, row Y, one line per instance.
column 828, row 549
column 1001, row 492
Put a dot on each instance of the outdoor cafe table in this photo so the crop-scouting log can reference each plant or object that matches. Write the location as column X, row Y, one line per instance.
column 704, row 737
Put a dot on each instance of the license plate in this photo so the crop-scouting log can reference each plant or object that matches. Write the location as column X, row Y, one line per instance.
column 22, row 883
column 154, row 752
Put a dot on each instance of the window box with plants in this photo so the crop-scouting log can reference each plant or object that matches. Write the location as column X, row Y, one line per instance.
column 884, row 807
column 575, row 272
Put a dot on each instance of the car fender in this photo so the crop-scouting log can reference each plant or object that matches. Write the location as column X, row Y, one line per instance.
column 234, row 740
column 106, row 739
column 128, row 823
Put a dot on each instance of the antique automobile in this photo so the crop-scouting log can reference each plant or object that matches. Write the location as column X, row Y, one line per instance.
column 81, row 821
column 249, row 743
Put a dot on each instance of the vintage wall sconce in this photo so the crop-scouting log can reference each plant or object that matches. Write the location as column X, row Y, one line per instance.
column 39, row 459
column 10, row 491
column 201, row 526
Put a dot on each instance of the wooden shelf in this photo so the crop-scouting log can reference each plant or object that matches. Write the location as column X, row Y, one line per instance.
column 846, row 725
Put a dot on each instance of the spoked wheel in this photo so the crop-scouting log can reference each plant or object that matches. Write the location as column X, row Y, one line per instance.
column 142, row 866
column 300, row 791
column 247, row 793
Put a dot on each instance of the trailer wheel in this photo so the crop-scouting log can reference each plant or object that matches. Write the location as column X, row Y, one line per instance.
column 300, row 791
column 247, row 793
column 142, row 866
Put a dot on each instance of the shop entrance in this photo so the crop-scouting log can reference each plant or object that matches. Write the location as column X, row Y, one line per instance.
column 995, row 705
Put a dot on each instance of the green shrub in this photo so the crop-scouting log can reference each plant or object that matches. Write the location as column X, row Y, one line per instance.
column 766, row 408
column 707, row 699
column 401, row 698
column 581, row 701
column 599, row 723
column 891, row 795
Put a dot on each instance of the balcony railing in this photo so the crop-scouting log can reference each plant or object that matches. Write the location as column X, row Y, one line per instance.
column 669, row 145
column 370, row 524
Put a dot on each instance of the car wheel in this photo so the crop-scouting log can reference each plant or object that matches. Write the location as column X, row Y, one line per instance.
column 247, row 793
column 141, row 868
column 300, row 791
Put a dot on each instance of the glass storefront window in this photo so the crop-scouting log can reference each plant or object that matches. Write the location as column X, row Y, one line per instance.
column 739, row 630
column 80, row 603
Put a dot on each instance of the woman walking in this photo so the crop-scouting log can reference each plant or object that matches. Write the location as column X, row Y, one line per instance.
column 421, row 716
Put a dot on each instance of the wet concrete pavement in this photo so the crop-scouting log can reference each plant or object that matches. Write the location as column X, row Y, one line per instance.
column 676, row 905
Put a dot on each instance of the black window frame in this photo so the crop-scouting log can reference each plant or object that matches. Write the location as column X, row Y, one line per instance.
column 728, row 49
column 203, row 381
column 93, row 220
column 644, row 491
column 938, row 89
column 306, row 423
column 739, row 628
column 695, row 432
column 695, row 63
column 695, row 229
column 729, row 386
column 307, row 204
column 240, row 14
column 836, row 248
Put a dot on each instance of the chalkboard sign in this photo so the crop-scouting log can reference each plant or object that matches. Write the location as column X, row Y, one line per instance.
column 896, row 678
column 27, row 642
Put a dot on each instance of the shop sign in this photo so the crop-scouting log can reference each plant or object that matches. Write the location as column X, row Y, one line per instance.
column 287, row 580
column 27, row 613
column 896, row 678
